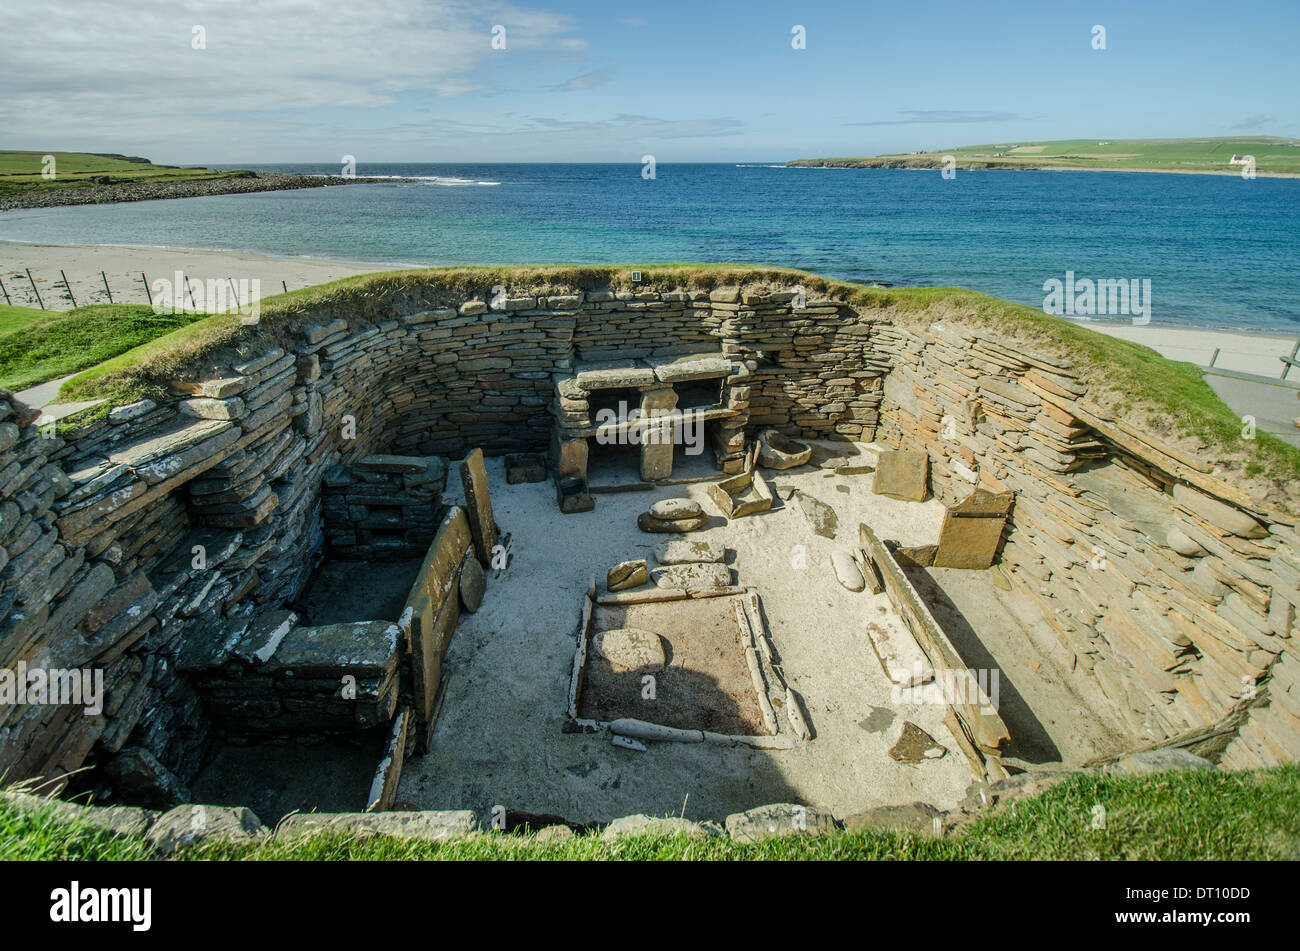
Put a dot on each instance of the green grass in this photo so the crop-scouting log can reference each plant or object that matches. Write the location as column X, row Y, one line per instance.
column 21, row 171
column 1272, row 155
column 40, row 345
column 1177, row 816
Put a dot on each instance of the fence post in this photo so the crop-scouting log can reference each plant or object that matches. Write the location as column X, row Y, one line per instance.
column 32, row 281
column 68, row 287
column 148, row 293
column 6, row 290
column 106, row 287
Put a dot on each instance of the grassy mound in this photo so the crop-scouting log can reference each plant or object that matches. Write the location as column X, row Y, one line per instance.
column 40, row 345
column 1178, row 816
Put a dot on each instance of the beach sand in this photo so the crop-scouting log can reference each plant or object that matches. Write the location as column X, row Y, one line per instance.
column 1243, row 352
column 123, row 266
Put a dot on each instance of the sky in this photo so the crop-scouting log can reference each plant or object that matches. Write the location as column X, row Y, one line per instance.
column 267, row 81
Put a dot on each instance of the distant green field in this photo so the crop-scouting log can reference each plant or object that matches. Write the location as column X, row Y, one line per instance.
column 22, row 171
column 1273, row 156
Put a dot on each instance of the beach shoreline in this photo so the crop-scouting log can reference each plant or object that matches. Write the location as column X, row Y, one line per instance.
column 124, row 267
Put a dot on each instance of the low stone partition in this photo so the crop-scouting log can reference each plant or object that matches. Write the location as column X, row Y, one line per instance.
column 973, row 718
column 268, row 677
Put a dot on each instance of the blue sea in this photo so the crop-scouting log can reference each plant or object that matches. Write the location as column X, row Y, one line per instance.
column 1219, row 251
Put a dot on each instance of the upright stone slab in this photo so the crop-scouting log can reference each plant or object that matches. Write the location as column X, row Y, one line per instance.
column 657, row 452
column 972, row 530
column 483, row 528
column 903, row 474
column 434, row 608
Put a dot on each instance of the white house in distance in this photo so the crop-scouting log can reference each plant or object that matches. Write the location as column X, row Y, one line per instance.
column 1240, row 160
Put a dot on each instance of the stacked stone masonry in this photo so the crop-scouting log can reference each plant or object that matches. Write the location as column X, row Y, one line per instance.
column 137, row 542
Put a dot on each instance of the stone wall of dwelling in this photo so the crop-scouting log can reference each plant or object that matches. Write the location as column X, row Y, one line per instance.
column 100, row 529
column 1171, row 587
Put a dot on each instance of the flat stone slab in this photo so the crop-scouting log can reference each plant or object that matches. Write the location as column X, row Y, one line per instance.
column 669, row 509
column 627, row 574
column 778, row 819
column 693, row 368
column 690, row 552
column 424, row 825
column 703, row 575
column 903, row 474
column 1156, row 761
column 604, row 378
column 264, row 636
column 915, row 817
column 821, row 516
column 649, row 825
column 915, row 745
column 630, row 649
column 1219, row 514
column 366, row 649
column 191, row 824
column 478, row 506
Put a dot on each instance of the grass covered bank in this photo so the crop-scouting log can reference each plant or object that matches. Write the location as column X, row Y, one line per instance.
column 1191, row 815
column 40, row 345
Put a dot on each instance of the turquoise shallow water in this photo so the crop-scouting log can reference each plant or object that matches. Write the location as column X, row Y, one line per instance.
column 1219, row 251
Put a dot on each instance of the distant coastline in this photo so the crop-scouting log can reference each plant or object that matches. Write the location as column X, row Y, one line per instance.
column 1243, row 156
column 925, row 165
column 103, row 194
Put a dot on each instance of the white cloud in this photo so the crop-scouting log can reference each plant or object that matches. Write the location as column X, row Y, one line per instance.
column 596, row 77
column 96, row 70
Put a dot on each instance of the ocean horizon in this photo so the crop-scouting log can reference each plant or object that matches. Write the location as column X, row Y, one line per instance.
column 1218, row 252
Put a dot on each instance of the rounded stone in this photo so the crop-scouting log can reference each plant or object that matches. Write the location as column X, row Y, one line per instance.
column 472, row 583
column 673, row 509
column 1184, row 545
column 847, row 571
column 630, row 648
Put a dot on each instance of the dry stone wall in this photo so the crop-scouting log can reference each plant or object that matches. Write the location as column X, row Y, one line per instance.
column 162, row 529
column 1173, row 588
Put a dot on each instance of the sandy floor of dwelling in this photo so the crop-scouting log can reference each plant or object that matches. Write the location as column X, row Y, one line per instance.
column 499, row 739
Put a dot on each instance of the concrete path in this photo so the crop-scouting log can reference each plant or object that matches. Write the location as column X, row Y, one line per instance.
column 1274, row 404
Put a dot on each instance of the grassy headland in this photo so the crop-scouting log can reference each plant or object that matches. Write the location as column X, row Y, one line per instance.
column 87, row 178
column 1273, row 156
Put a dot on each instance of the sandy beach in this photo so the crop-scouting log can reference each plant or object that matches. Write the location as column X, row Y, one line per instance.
column 124, row 266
